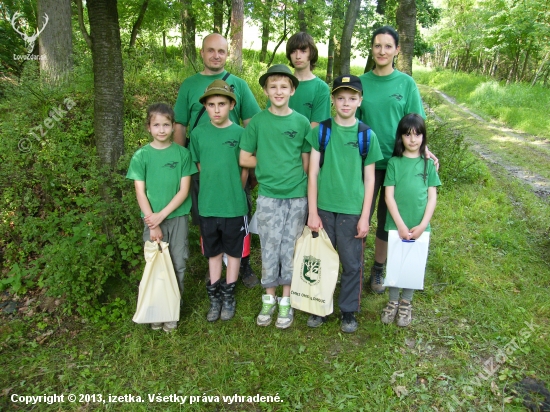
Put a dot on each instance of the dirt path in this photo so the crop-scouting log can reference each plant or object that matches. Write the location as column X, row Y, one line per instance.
column 539, row 184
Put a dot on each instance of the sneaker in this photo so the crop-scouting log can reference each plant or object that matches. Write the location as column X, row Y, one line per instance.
column 349, row 323
column 389, row 312
column 247, row 275
column 286, row 314
column 404, row 314
column 156, row 326
column 315, row 321
column 269, row 304
column 377, row 280
column 170, row 326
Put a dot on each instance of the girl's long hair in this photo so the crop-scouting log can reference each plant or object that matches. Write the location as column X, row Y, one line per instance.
column 411, row 122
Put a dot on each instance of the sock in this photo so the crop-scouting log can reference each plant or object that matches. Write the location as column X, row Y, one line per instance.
column 379, row 266
column 285, row 301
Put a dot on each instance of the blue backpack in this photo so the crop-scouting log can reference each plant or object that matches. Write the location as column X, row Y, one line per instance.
column 363, row 140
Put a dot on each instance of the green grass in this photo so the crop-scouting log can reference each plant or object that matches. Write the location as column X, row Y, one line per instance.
column 487, row 274
column 518, row 105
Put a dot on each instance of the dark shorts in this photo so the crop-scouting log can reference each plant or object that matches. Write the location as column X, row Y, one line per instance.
column 380, row 193
column 224, row 235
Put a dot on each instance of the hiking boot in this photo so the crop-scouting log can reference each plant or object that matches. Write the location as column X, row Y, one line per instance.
column 286, row 314
column 156, row 326
column 315, row 321
column 170, row 326
column 246, row 273
column 389, row 312
column 377, row 280
column 228, row 300
column 404, row 314
column 269, row 304
column 214, row 295
column 349, row 323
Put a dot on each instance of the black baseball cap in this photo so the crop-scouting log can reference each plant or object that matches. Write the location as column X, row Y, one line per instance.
column 348, row 81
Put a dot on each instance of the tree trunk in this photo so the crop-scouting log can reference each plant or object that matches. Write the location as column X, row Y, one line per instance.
column 302, row 24
column 236, row 47
column 108, row 80
column 347, row 33
column 218, row 15
column 81, row 24
column 137, row 24
column 266, row 29
column 55, row 41
column 406, row 26
column 336, row 25
column 330, row 60
column 188, row 26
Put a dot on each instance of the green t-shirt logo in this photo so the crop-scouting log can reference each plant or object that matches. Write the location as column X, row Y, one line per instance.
column 311, row 270
column 291, row 133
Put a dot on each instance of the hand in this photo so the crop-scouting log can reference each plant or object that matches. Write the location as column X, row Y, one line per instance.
column 404, row 233
column 417, row 231
column 153, row 220
column 362, row 228
column 430, row 155
column 155, row 234
column 314, row 222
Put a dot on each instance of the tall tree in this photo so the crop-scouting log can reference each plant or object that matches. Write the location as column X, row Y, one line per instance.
column 217, row 7
column 236, row 44
column 406, row 27
column 302, row 24
column 108, row 80
column 188, row 27
column 137, row 24
column 347, row 33
column 266, row 27
column 55, row 41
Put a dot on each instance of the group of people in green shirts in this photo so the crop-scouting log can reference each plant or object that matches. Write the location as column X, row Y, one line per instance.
column 230, row 136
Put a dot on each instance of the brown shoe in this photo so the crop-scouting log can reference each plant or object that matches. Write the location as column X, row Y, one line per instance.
column 389, row 312
column 377, row 280
column 404, row 314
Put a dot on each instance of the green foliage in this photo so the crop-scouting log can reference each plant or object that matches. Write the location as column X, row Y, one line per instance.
column 518, row 105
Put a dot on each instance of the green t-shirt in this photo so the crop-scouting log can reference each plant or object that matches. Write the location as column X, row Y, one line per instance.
column 340, row 186
column 411, row 191
column 311, row 99
column 188, row 107
column 217, row 150
column 278, row 142
column 162, row 170
column 386, row 99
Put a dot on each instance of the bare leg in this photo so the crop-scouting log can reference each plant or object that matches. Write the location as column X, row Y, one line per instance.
column 380, row 251
column 233, row 266
column 215, row 268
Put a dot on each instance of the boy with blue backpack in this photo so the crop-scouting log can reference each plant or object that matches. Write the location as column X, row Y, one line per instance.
column 340, row 190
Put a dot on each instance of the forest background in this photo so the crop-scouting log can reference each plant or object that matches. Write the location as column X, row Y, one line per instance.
column 70, row 257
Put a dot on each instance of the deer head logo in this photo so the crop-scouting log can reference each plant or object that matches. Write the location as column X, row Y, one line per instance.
column 29, row 40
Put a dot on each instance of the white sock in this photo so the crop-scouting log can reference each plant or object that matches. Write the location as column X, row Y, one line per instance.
column 285, row 301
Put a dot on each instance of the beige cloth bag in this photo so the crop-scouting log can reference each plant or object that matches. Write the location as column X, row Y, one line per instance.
column 159, row 295
column 315, row 273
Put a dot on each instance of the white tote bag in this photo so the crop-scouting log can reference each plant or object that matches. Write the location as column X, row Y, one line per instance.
column 159, row 295
column 406, row 261
column 315, row 274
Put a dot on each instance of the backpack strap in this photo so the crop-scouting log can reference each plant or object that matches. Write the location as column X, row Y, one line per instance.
column 324, row 138
column 363, row 139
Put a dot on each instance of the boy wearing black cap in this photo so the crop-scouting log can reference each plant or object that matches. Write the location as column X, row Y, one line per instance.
column 274, row 143
column 222, row 202
column 340, row 193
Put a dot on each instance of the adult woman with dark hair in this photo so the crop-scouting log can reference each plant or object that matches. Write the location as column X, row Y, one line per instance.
column 388, row 95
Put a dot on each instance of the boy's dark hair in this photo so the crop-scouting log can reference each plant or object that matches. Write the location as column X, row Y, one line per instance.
column 160, row 108
column 411, row 122
column 302, row 41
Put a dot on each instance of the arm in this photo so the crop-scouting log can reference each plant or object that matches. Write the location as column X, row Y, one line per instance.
column 305, row 162
column 368, row 181
column 430, row 155
column 402, row 228
column 156, row 219
column 246, row 121
column 179, row 134
column 313, row 124
column 154, row 233
column 244, row 176
column 313, row 221
column 428, row 213
column 247, row 159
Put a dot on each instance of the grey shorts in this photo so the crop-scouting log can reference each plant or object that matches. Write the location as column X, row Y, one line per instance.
column 280, row 224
